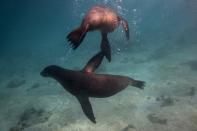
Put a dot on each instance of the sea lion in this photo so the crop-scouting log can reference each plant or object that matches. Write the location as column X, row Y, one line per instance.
column 84, row 84
column 98, row 18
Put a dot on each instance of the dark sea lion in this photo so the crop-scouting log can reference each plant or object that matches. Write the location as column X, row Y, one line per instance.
column 98, row 18
column 84, row 84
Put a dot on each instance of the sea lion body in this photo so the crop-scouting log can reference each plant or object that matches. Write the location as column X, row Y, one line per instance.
column 88, row 84
column 84, row 84
column 99, row 18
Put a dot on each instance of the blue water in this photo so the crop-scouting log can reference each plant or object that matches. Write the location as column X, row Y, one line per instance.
column 162, row 51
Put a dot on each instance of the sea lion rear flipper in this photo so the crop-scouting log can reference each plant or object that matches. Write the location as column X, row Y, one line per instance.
column 137, row 83
column 86, row 107
column 77, row 36
column 105, row 46
column 125, row 26
column 94, row 63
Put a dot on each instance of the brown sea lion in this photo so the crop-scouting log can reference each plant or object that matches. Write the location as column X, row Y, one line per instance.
column 98, row 18
column 84, row 84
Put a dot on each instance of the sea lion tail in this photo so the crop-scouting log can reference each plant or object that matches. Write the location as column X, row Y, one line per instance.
column 137, row 83
column 76, row 37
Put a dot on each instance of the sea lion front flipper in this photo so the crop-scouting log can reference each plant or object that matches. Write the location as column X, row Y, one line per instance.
column 93, row 63
column 76, row 37
column 105, row 46
column 86, row 107
column 125, row 26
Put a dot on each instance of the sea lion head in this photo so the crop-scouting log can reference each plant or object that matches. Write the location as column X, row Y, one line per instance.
column 49, row 71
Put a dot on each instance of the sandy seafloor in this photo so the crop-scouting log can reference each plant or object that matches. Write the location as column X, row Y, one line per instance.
column 168, row 102
column 29, row 102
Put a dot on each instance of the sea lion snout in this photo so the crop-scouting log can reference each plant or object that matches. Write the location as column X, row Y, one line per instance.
column 43, row 73
column 49, row 70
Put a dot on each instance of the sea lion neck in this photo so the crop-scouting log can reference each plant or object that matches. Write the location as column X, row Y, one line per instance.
column 59, row 73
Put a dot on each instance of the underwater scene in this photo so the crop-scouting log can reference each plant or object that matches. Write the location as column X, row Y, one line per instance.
column 98, row 65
